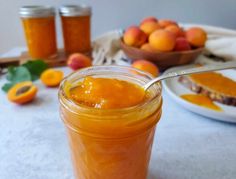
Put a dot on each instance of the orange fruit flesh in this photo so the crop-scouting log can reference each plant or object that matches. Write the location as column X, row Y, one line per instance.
column 107, row 93
column 22, row 92
column 51, row 77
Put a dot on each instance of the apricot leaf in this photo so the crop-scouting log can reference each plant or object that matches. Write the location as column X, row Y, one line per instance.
column 18, row 74
column 35, row 67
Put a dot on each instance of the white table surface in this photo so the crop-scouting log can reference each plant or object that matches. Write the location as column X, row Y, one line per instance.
column 33, row 143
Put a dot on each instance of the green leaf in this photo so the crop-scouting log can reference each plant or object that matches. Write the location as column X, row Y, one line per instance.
column 7, row 86
column 29, row 71
column 35, row 67
column 10, row 70
column 18, row 74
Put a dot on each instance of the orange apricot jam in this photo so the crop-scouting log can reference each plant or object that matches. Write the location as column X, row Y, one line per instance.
column 201, row 100
column 107, row 93
column 110, row 122
column 76, row 28
column 39, row 28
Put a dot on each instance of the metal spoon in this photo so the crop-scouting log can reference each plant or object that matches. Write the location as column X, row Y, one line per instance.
column 207, row 68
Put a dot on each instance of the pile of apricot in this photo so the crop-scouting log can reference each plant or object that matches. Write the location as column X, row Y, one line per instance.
column 164, row 35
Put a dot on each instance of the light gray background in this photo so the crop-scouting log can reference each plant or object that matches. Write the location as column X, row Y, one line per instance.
column 113, row 14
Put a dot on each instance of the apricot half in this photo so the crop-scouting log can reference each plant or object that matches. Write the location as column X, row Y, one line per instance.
column 22, row 92
column 51, row 77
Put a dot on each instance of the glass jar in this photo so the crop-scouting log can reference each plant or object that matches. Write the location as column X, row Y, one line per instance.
column 110, row 143
column 39, row 28
column 75, row 21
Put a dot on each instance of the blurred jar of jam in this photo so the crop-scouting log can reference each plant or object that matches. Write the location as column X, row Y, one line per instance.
column 39, row 28
column 76, row 28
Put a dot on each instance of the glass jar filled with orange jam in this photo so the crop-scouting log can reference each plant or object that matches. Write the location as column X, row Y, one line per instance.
column 110, row 121
column 75, row 21
column 39, row 28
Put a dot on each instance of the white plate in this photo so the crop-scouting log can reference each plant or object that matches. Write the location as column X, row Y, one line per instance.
column 175, row 89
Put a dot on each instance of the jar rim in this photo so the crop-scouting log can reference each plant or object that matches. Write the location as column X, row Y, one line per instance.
column 37, row 11
column 75, row 10
column 67, row 102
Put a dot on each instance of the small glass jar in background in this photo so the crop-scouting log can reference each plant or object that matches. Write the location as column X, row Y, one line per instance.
column 40, row 32
column 75, row 21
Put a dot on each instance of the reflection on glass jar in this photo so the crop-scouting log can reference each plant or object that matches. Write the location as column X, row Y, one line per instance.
column 76, row 28
column 39, row 28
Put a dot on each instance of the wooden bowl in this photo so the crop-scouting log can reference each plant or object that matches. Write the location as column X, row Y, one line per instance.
column 163, row 60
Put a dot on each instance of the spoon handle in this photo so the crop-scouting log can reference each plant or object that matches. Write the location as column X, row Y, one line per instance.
column 207, row 68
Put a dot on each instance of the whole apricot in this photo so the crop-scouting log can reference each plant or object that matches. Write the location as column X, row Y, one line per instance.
column 196, row 36
column 147, row 47
column 149, row 19
column 166, row 22
column 182, row 44
column 149, row 26
column 22, row 92
column 146, row 66
column 162, row 40
column 176, row 30
column 77, row 61
column 134, row 36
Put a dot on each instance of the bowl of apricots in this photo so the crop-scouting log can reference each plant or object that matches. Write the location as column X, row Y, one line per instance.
column 163, row 42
